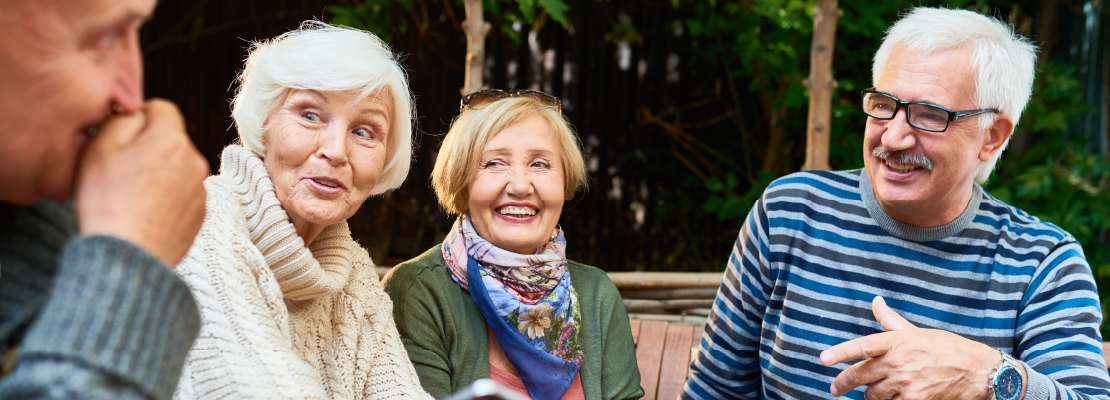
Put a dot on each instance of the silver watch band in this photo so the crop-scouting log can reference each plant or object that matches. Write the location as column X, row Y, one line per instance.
column 1006, row 360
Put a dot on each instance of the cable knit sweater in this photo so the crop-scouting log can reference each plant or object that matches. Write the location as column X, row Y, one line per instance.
column 280, row 319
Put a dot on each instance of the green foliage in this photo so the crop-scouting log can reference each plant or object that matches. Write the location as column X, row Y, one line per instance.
column 387, row 17
column 625, row 32
column 1053, row 181
column 378, row 16
column 726, row 203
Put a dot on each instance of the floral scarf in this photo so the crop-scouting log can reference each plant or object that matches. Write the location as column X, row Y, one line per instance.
column 528, row 302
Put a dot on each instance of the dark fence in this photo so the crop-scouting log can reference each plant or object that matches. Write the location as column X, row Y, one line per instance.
column 646, row 110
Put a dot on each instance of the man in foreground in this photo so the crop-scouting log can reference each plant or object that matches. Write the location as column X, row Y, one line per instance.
column 89, row 307
column 906, row 280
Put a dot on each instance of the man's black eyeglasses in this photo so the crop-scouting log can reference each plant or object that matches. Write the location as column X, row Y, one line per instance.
column 482, row 98
column 923, row 116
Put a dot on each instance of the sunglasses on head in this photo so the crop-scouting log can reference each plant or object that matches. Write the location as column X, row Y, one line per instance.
column 483, row 98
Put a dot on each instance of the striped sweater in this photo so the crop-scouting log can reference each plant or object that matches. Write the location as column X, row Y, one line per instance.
column 817, row 248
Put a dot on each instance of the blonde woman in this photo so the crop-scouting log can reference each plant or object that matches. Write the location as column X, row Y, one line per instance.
column 499, row 298
column 290, row 304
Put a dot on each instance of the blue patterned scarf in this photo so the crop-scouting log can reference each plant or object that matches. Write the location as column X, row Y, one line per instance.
column 528, row 302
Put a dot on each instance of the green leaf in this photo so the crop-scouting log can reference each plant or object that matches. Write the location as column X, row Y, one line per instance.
column 557, row 9
column 528, row 10
column 714, row 185
column 712, row 204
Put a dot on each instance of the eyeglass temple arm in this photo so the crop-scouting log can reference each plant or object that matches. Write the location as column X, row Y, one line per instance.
column 972, row 113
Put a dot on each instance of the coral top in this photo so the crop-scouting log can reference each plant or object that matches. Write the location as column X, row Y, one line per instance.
column 507, row 379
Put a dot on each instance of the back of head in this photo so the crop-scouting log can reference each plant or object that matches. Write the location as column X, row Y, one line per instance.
column 325, row 58
column 1002, row 60
column 458, row 158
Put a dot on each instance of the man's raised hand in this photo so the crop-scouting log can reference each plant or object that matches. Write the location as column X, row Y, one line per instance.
column 141, row 179
column 907, row 362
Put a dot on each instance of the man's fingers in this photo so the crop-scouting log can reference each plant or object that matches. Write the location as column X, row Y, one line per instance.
column 881, row 390
column 886, row 317
column 120, row 130
column 865, row 347
column 862, row 373
column 164, row 114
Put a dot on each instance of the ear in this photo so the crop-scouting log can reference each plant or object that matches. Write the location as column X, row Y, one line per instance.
column 996, row 136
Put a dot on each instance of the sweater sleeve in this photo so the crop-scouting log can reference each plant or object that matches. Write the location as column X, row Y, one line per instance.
column 1057, row 336
column 420, row 323
column 620, row 379
column 118, row 324
column 727, row 365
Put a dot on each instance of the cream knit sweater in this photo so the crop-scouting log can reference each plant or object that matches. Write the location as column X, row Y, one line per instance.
column 280, row 320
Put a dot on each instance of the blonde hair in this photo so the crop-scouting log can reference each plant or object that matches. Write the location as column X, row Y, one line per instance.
column 457, row 162
column 326, row 58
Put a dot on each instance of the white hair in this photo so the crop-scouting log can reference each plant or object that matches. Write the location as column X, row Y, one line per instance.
column 1003, row 61
column 318, row 56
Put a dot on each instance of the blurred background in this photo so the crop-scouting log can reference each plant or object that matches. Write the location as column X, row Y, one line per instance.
column 687, row 109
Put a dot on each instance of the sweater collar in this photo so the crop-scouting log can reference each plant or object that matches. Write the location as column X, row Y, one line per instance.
column 303, row 272
column 910, row 232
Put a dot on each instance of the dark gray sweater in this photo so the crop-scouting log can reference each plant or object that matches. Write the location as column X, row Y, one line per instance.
column 89, row 316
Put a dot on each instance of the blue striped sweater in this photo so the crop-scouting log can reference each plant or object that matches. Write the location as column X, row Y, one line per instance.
column 817, row 248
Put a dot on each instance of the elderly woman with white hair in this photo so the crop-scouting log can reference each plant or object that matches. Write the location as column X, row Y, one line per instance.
column 290, row 304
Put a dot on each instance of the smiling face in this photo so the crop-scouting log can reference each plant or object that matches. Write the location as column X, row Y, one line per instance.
column 324, row 153
column 517, row 195
column 62, row 64
column 918, row 196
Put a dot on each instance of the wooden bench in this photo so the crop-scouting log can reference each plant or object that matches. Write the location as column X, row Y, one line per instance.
column 663, row 354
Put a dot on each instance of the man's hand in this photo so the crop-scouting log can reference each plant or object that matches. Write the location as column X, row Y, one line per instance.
column 140, row 179
column 907, row 362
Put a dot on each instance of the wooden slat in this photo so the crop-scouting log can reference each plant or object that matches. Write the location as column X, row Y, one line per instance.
column 649, row 355
column 671, row 294
column 1106, row 352
column 695, row 341
column 676, row 362
column 695, row 345
column 635, row 325
column 665, row 280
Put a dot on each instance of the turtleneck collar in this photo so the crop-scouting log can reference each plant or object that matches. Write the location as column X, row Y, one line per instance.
column 303, row 272
column 910, row 232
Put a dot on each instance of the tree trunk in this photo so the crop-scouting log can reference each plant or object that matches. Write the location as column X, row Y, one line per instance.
column 476, row 30
column 820, row 84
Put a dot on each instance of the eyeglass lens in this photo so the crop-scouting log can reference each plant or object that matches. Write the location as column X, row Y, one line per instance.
column 484, row 98
column 922, row 116
column 541, row 97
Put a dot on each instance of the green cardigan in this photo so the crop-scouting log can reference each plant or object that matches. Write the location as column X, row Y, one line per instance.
column 445, row 333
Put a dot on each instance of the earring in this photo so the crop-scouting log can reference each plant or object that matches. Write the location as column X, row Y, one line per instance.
column 116, row 109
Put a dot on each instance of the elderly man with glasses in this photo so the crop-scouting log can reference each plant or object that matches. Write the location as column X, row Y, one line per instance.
column 905, row 279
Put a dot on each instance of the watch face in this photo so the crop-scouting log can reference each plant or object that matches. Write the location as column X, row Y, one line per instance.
column 1007, row 384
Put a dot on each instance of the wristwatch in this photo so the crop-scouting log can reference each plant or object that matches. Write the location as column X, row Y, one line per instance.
column 1004, row 383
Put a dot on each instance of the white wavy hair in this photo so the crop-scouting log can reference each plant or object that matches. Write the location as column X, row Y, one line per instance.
column 326, row 58
column 1003, row 60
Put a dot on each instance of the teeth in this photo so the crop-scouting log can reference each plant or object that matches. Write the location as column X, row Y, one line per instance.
column 899, row 167
column 517, row 211
column 326, row 183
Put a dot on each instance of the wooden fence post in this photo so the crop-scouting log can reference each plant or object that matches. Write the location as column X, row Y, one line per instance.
column 476, row 30
column 821, row 84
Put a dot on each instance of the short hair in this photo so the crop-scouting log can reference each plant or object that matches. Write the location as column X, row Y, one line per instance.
column 458, row 158
column 322, row 57
column 1003, row 61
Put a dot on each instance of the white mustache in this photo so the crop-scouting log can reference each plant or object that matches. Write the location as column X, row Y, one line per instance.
column 903, row 157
